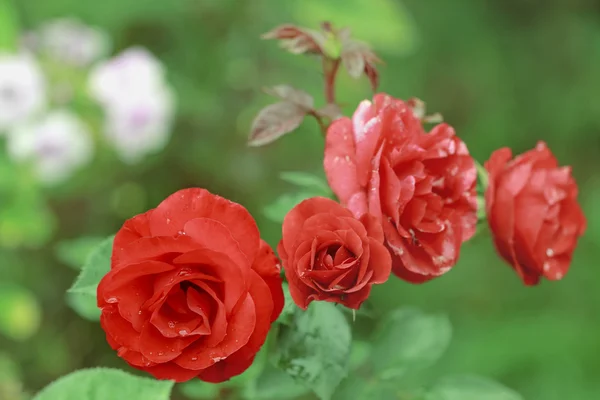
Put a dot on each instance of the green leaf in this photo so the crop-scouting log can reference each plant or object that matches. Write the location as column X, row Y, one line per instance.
column 82, row 295
column 273, row 383
column 104, row 384
column 470, row 388
column 315, row 350
column 9, row 26
column 361, row 351
column 277, row 210
column 21, row 314
column 289, row 307
column 197, row 389
column 481, row 214
column 85, row 306
column 307, row 181
column 358, row 388
column 482, row 177
column 417, row 340
column 249, row 380
column 75, row 252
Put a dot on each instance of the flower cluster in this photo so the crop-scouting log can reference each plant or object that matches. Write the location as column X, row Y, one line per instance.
column 38, row 114
column 193, row 290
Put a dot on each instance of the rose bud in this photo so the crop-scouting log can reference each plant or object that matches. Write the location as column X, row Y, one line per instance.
column 192, row 289
column 420, row 186
column 330, row 255
column 532, row 211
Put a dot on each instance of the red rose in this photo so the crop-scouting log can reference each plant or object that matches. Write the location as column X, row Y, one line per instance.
column 192, row 289
column 330, row 255
column 533, row 213
column 420, row 186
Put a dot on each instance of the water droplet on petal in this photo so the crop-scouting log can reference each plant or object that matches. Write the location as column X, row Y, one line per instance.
column 122, row 351
column 194, row 358
column 168, row 220
column 183, row 332
column 140, row 312
column 171, row 324
column 181, row 233
column 160, row 353
column 112, row 300
column 549, row 252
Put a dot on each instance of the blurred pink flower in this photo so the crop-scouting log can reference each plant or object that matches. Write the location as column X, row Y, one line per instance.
column 55, row 146
column 22, row 89
column 137, row 101
column 72, row 42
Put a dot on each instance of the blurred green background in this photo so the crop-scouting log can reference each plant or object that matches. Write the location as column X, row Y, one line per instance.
column 502, row 72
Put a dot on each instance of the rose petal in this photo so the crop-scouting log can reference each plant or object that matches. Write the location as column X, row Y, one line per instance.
column 170, row 217
column 171, row 371
column 339, row 162
column 212, row 234
column 132, row 230
column 239, row 329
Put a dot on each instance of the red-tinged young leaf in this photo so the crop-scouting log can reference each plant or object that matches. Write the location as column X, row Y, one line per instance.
column 354, row 62
column 436, row 118
column 419, row 109
column 331, row 111
column 292, row 95
column 274, row 121
column 297, row 40
column 373, row 75
column 343, row 34
column 358, row 58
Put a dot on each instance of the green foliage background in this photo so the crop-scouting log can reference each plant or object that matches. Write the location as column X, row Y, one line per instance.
column 502, row 72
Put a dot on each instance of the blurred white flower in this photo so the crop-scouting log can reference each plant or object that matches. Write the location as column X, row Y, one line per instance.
column 72, row 42
column 55, row 146
column 137, row 126
column 22, row 89
column 138, row 103
column 134, row 72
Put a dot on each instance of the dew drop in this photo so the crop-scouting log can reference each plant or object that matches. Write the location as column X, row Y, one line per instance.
column 194, row 358
column 217, row 359
column 183, row 332
column 185, row 271
column 122, row 351
column 150, row 353
column 112, row 300
column 549, row 252
column 546, row 267
column 140, row 312
column 160, row 353
column 181, row 233
column 171, row 324
column 168, row 220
